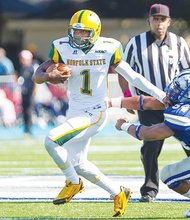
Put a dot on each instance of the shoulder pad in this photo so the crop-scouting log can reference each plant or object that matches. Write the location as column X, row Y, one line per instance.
column 110, row 40
column 61, row 41
column 178, row 114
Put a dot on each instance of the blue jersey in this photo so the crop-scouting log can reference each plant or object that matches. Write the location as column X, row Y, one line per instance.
column 177, row 118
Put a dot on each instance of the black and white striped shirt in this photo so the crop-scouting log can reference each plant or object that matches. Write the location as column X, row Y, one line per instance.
column 157, row 61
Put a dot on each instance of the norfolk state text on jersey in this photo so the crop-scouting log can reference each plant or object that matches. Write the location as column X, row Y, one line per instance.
column 86, row 62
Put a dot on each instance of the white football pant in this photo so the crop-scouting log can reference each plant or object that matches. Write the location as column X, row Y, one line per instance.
column 173, row 174
column 68, row 145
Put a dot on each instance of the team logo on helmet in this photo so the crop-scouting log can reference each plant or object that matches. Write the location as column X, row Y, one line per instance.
column 179, row 89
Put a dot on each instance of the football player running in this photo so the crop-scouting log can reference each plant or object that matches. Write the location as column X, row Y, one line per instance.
column 89, row 57
column 176, row 123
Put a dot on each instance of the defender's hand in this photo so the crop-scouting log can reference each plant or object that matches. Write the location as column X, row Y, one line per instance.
column 119, row 123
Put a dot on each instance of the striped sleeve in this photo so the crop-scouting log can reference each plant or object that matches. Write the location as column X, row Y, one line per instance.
column 128, row 53
column 185, row 54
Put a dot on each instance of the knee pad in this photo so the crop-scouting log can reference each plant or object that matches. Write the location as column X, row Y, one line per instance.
column 89, row 171
column 59, row 154
column 49, row 144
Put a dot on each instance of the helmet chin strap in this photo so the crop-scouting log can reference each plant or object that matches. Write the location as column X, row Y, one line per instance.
column 74, row 44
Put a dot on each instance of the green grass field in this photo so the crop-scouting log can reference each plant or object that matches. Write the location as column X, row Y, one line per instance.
column 28, row 157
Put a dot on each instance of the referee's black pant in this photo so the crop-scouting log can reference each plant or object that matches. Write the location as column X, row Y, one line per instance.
column 150, row 151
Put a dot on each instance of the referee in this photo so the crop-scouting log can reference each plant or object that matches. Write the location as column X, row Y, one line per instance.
column 158, row 55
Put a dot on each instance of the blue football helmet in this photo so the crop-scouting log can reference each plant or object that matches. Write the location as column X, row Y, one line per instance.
column 178, row 91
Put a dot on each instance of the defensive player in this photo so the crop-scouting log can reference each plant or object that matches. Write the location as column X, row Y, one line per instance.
column 176, row 123
column 90, row 57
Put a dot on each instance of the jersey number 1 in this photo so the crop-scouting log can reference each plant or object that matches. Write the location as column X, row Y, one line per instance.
column 86, row 82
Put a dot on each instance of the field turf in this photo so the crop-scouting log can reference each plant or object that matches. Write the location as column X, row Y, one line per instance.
column 112, row 155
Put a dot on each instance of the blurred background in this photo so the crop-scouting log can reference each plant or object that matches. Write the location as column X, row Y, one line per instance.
column 33, row 24
column 38, row 22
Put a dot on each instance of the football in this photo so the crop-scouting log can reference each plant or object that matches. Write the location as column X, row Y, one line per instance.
column 58, row 73
column 60, row 67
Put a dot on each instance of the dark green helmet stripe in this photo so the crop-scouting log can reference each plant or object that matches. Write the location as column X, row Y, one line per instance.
column 80, row 17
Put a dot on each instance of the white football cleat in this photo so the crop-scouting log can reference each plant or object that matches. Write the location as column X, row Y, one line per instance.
column 187, row 214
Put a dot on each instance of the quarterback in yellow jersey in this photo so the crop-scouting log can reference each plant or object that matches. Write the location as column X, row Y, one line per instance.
column 89, row 57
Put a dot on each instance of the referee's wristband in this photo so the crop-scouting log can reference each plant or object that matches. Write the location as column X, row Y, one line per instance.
column 125, row 126
column 137, row 130
column 116, row 102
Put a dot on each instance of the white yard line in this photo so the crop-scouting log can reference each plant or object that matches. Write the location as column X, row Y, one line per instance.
column 45, row 188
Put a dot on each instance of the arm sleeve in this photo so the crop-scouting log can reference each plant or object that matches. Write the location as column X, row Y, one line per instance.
column 139, row 81
column 54, row 54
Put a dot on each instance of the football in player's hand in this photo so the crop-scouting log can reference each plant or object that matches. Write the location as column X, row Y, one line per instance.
column 58, row 73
